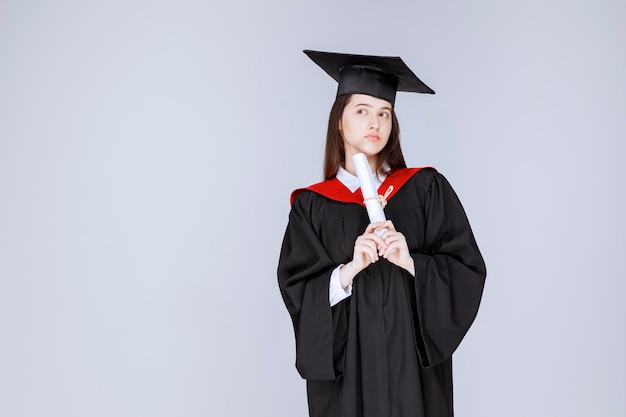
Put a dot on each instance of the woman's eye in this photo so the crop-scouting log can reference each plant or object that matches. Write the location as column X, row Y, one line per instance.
column 361, row 111
column 384, row 114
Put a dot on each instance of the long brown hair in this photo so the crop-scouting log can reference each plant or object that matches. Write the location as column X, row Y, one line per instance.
column 390, row 157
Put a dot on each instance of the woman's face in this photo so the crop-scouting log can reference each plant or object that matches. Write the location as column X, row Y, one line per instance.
column 365, row 125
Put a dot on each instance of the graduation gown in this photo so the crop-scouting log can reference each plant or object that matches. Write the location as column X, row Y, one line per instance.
column 386, row 350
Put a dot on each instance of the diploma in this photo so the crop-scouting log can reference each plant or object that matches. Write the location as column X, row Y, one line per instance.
column 368, row 188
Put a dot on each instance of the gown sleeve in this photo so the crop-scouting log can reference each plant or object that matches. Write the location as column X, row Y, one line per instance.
column 304, row 272
column 449, row 275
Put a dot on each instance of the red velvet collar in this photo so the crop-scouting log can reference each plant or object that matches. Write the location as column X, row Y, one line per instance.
column 335, row 190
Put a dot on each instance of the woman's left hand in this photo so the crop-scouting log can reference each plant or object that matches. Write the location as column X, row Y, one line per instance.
column 396, row 249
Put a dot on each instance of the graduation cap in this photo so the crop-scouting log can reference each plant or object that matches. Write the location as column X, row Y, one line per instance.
column 378, row 76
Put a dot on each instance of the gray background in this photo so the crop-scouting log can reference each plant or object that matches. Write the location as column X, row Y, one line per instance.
column 148, row 149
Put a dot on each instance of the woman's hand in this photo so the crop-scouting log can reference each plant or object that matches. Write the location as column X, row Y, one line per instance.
column 367, row 249
column 395, row 248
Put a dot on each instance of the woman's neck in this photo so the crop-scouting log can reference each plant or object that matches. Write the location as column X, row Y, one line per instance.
column 349, row 164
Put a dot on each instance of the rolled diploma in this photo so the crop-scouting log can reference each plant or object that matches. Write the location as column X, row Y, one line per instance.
column 370, row 193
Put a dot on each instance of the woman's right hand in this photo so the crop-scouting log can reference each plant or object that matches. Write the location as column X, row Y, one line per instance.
column 366, row 250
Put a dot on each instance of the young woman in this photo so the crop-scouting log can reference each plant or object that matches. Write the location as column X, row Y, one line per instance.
column 377, row 315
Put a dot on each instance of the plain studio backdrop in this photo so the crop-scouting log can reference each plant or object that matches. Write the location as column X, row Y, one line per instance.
column 147, row 154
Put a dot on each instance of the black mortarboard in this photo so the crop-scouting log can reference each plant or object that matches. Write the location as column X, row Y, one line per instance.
column 378, row 76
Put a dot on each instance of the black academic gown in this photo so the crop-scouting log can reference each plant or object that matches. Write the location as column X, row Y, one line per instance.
column 386, row 350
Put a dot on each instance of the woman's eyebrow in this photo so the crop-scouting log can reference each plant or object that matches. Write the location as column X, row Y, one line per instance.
column 370, row 106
